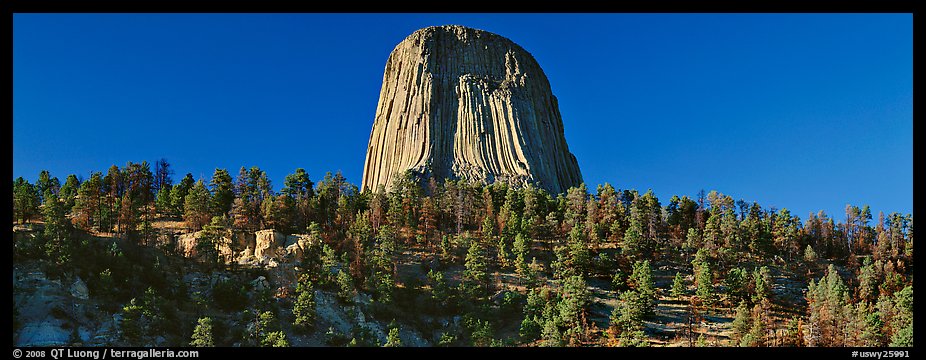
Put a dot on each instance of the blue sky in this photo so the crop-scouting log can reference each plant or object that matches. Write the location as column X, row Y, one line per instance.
column 798, row 111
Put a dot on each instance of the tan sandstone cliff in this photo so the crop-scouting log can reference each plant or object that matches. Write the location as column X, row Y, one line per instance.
column 458, row 102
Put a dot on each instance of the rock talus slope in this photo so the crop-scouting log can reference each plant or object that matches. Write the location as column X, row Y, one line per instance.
column 458, row 103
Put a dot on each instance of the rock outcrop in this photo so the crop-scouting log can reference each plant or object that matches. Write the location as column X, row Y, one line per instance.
column 268, row 242
column 187, row 245
column 259, row 248
column 458, row 102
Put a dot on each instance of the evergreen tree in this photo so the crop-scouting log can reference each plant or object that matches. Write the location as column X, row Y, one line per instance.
column 572, row 309
column 202, row 335
column 903, row 320
column 252, row 187
column 579, row 253
column 304, row 306
column 162, row 200
column 345, row 284
column 393, row 339
column 742, row 322
column 178, row 194
column 762, row 285
column 827, row 300
column 275, row 339
column 785, row 232
column 58, row 244
column 633, row 244
column 209, row 240
column 267, row 332
column 277, row 213
column 25, row 200
column 131, row 323
column 627, row 319
column 737, row 285
column 299, row 188
column 46, row 185
column 810, row 256
column 113, row 189
column 705, row 284
column 223, row 192
column 475, row 277
column 576, row 200
column 69, row 192
column 137, row 200
column 641, row 281
column 521, row 249
column 89, row 202
column 488, row 228
column 678, row 286
column 196, row 206
column 163, row 175
column 441, row 293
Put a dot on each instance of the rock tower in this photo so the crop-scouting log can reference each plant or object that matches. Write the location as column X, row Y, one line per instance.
column 457, row 102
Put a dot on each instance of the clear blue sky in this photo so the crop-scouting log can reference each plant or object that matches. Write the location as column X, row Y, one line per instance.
column 798, row 111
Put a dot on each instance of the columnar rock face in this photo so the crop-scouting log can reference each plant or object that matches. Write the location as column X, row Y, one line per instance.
column 458, row 103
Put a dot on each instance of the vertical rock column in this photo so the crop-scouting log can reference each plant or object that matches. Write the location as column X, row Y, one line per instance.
column 458, row 103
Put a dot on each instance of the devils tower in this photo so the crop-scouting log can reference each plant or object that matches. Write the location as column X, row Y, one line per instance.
column 457, row 102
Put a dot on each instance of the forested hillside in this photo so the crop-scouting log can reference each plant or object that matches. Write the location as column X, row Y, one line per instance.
column 154, row 261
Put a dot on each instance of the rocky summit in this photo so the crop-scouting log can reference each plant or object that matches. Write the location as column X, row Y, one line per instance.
column 463, row 103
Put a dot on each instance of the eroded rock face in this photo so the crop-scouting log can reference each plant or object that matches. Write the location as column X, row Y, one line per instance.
column 261, row 247
column 458, row 102
column 268, row 242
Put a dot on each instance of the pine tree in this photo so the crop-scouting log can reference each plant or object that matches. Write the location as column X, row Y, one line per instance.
column 393, row 339
column 762, row 285
column 298, row 186
column 903, row 320
column 705, row 284
column 277, row 213
column 69, row 192
column 641, row 281
column 178, row 194
column 502, row 255
column 196, row 206
column 202, row 335
column 678, row 286
column 113, row 188
column 46, row 185
column 521, row 249
column 441, row 293
column 576, row 200
column 737, row 285
column 162, row 200
column 131, row 323
column 572, row 309
column 57, row 233
column 742, row 322
column 223, row 192
column 810, row 256
column 275, row 339
column 89, row 202
column 579, row 254
column 267, row 332
column 162, row 175
column 25, row 200
column 345, row 284
column 304, row 306
column 827, row 300
column 209, row 239
column 476, row 276
column 627, row 319
column 633, row 244
column 488, row 228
